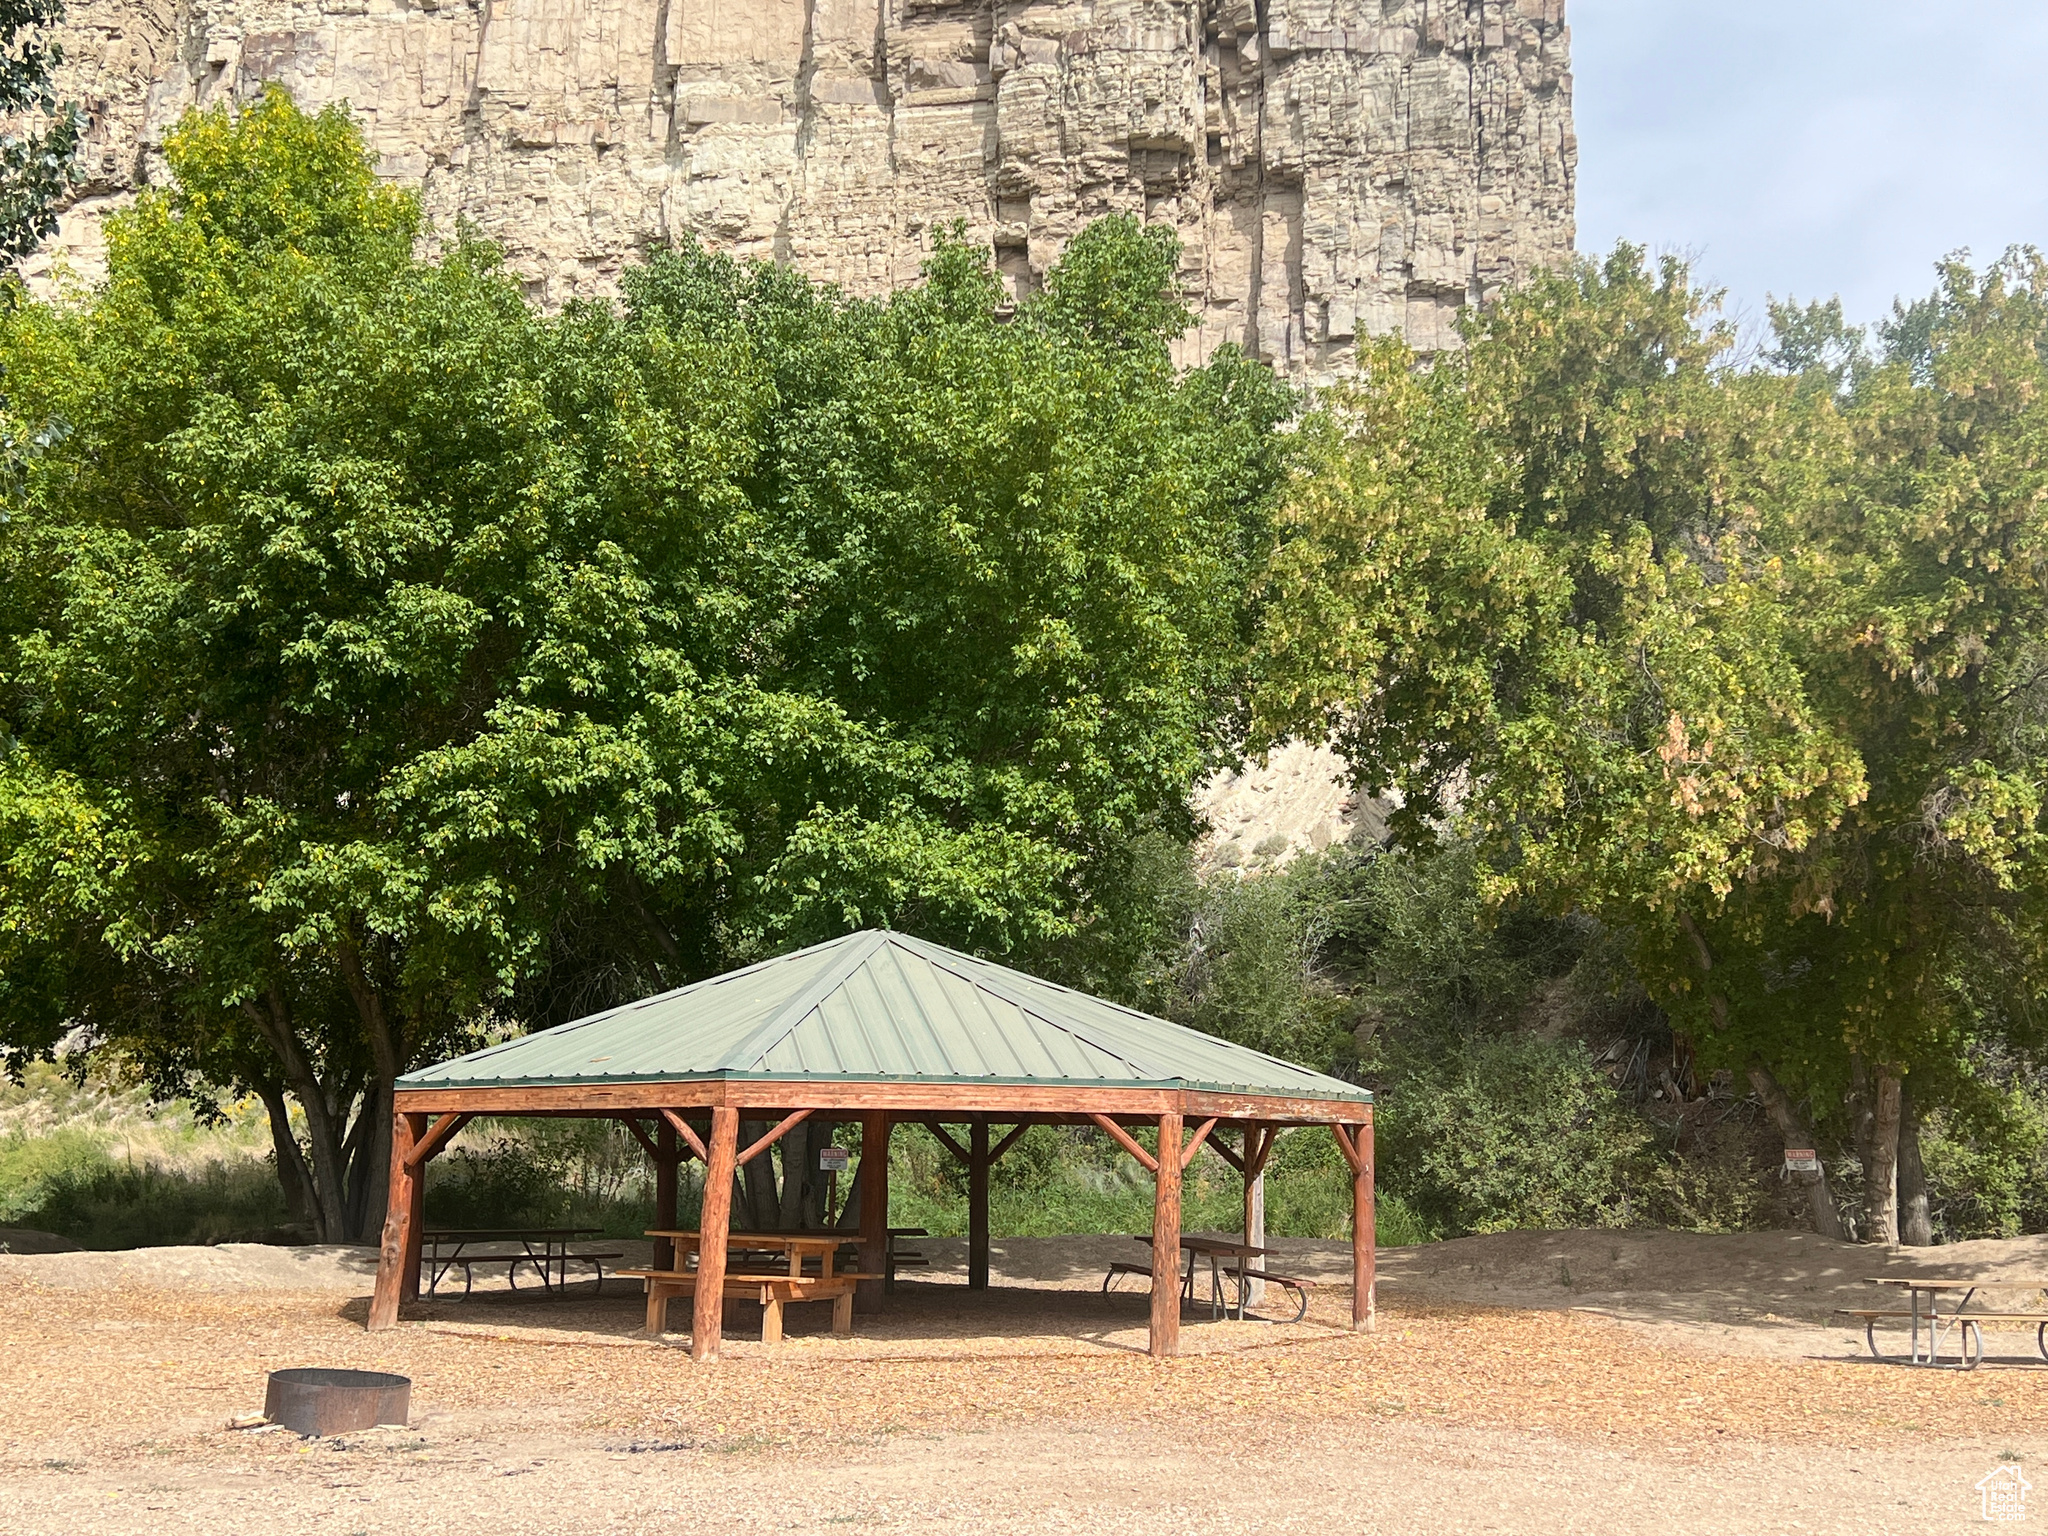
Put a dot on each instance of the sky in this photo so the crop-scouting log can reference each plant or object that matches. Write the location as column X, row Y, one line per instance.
column 1812, row 147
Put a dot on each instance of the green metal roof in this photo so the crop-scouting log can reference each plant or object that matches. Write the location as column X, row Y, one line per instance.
column 881, row 1007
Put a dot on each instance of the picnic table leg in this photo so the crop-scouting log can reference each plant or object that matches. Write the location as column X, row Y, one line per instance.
column 657, row 1309
column 714, row 1226
column 842, row 1315
column 771, row 1320
column 1166, row 1280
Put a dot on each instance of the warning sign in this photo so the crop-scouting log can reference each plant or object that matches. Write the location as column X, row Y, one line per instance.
column 1802, row 1160
column 833, row 1159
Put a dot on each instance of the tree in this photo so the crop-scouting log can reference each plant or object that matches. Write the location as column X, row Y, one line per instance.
column 1741, row 665
column 35, row 167
column 385, row 664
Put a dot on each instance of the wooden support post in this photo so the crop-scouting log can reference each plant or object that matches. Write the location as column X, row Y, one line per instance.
column 1166, row 1240
column 977, row 1205
column 712, row 1229
column 1364, row 1261
column 668, row 1159
column 400, row 1222
column 874, row 1206
column 416, row 1221
column 1254, row 1213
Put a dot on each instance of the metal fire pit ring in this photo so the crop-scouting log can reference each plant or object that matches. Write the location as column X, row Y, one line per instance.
column 318, row 1401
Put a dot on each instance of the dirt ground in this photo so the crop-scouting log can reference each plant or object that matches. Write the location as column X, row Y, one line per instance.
column 1529, row 1382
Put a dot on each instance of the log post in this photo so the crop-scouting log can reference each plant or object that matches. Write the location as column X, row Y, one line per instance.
column 873, row 1179
column 1166, row 1241
column 1254, row 1220
column 713, row 1227
column 1364, row 1259
column 977, row 1205
column 668, row 1159
column 401, row 1224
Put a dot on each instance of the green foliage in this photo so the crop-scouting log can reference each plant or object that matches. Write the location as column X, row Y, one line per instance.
column 1987, row 1161
column 382, row 661
column 35, row 166
column 1743, row 664
column 525, row 1173
column 1514, row 1132
column 107, row 1205
column 1057, row 1181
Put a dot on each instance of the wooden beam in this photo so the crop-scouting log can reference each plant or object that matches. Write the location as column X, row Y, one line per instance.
column 687, row 1132
column 1008, row 1141
column 977, row 1206
column 668, row 1162
column 794, row 1117
column 999, row 1101
column 944, row 1139
column 1364, row 1256
column 1257, row 1164
column 874, row 1206
column 399, row 1217
column 713, row 1226
column 1222, row 1149
column 435, row 1139
column 645, row 1140
column 1165, row 1335
column 1201, row 1135
column 1130, row 1144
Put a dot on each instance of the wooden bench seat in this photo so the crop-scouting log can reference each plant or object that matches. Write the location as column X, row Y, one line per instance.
column 771, row 1292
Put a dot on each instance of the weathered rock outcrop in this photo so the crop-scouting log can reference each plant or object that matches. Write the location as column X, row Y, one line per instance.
column 1336, row 168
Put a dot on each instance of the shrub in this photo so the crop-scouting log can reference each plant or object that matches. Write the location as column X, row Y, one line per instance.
column 1513, row 1131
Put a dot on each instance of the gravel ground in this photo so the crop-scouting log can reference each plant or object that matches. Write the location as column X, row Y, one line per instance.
column 1027, row 1408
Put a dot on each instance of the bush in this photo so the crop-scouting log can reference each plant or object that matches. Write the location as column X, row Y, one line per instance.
column 1513, row 1131
column 109, row 1205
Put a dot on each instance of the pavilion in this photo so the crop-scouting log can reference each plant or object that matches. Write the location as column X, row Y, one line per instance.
column 888, row 1030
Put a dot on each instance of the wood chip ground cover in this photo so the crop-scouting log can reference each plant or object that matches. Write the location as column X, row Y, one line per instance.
column 111, row 1370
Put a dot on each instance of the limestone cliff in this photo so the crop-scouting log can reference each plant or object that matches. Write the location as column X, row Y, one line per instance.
column 1336, row 168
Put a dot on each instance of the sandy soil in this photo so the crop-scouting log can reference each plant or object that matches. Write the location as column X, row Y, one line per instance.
column 1703, row 1392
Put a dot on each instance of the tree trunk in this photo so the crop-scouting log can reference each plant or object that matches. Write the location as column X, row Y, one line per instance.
column 1794, row 1133
column 1881, row 1194
column 273, row 1021
column 1916, row 1221
column 796, row 1175
column 301, row 1209
column 761, row 1200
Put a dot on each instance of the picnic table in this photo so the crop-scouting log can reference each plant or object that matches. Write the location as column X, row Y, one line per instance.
column 1216, row 1249
column 545, row 1248
column 772, row 1290
column 1924, row 1296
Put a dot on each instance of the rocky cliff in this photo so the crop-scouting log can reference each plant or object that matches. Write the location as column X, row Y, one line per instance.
column 1336, row 168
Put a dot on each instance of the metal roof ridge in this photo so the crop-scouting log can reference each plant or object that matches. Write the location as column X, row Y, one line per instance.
column 946, row 959
column 822, row 986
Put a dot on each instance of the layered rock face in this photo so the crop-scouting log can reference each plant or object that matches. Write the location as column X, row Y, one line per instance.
column 1335, row 168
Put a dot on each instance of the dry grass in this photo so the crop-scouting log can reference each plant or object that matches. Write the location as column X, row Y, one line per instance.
column 112, row 1370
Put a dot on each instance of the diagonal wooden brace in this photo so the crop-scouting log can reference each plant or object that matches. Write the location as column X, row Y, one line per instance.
column 690, row 1138
column 434, row 1140
column 1130, row 1144
column 781, row 1129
